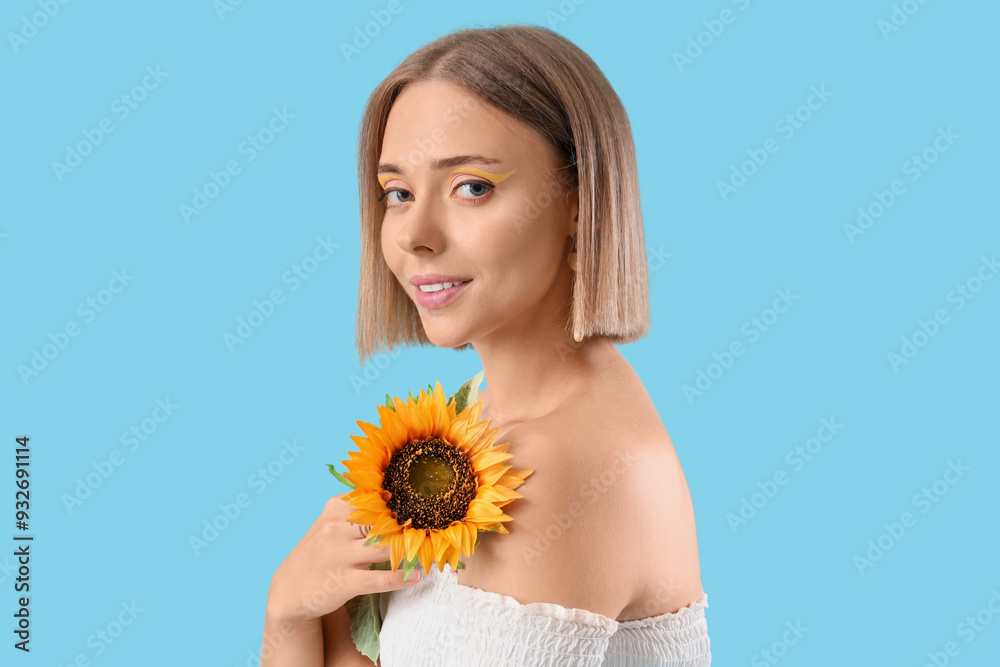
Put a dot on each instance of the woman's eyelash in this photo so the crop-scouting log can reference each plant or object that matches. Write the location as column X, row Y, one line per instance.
column 483, row 196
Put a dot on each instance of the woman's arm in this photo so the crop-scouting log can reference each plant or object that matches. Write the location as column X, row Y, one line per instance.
column 288, row 644
column 319, row 642
column 338, row 646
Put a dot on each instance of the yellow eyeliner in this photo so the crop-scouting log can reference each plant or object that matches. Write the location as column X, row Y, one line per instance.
column 496, row 178
column 385, row 178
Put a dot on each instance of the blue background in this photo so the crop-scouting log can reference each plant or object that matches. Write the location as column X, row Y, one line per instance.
column 719, row 262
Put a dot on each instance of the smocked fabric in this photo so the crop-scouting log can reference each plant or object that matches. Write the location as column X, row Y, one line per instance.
column 439, row 622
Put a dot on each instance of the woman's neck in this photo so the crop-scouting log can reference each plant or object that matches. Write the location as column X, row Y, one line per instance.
column 532, row 378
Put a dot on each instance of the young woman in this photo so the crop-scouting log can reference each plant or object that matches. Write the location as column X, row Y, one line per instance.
column 500, row 210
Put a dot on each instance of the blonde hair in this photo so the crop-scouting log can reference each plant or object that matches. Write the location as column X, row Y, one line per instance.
column 543, row 80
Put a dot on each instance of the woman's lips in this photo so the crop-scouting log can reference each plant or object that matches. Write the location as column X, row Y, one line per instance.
column 439, row 298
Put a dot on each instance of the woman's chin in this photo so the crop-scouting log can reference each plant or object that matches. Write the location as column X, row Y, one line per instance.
column 444, row 338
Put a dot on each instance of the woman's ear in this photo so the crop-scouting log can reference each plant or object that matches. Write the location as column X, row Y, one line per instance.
column 573, row 212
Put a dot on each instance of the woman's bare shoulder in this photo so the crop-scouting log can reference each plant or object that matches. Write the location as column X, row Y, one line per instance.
column 607, row 500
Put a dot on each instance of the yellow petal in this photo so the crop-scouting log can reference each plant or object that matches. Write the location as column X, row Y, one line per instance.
column 426, row 554
column 486, row 521
column 489, row 494
column 371, row 500
column 457, row 431
column 439, row 544
column 488, row 458
column 376, row 436
column 512, row 480
column 491, row 475
column 413, row 538
column 369, row 451
column 481, row 509
column 485, row 441
column 386, row 524
column 394, row 427
column 367, row 454
column 395, row 551
column 453, row 535
column 419, row 425
column 365, row 480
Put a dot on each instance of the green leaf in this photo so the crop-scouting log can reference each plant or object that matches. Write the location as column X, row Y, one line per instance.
column 468, row 393
column 461, row 566
column 346, row 482
column 408, row 567
column 371, row 541
column 389, row 404
column 412, row 396
column 366, row 618
column 366, row 623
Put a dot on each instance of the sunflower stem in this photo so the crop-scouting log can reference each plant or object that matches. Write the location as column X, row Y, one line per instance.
column 346, row 482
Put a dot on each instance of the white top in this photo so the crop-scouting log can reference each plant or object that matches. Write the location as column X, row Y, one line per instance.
column 439, row 622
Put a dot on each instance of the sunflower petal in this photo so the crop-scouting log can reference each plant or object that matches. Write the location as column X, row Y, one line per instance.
column 360, row 465
column 419, row 426
column 413, row 538
column 487, row 520
column 374, row 453
column 426, row 554
column 453, row 535
column 395, row 551
column 491, row 475
column 489, row 494
column 401, row 410
column 479, row 509
column 366, row 480
column 439, row 545
column 394, row 427
column 376, row 436
column 512, row 479
column 438, row 416
column 364, row 517
column 386, row 524
column 488, row 458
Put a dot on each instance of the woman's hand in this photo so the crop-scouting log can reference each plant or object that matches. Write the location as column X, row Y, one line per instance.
column 328, row 567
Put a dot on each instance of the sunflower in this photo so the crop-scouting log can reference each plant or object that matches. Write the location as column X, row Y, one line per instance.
column 428, row 479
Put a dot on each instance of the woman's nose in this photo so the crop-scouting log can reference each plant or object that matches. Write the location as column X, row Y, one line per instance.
column 420, row 229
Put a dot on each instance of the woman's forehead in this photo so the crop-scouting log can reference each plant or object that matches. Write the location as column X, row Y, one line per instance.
column 430, row 122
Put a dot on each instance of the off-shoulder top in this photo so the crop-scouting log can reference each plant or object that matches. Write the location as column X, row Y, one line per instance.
column 439, row 622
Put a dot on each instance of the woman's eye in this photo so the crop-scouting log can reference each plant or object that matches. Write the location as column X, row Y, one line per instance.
column 387, row 196
column 475, row 189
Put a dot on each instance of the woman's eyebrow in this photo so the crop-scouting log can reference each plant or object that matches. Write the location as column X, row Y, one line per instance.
column 442, row 163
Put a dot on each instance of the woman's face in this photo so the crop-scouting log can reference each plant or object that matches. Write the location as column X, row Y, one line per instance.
column 472, row 198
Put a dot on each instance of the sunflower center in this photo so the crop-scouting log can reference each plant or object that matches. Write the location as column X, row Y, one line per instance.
column 431, row 482
column 430, row 475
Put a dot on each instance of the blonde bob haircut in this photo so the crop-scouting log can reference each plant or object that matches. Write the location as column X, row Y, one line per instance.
column 537, row 77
